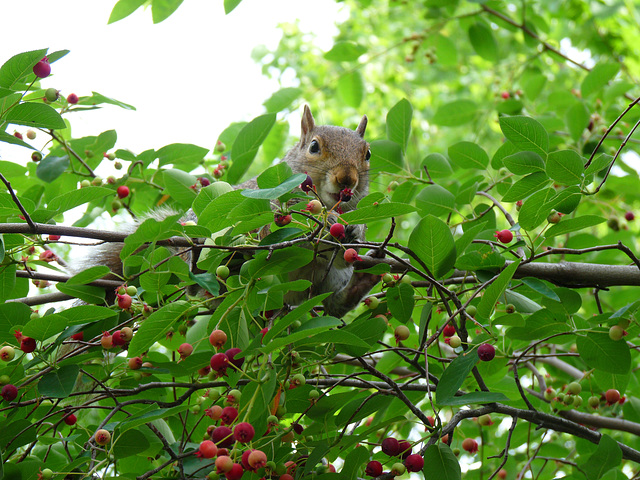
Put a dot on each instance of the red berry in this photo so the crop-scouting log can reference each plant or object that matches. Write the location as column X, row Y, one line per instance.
column 122, row 191
column 470, row 445
column 124, row 301
column 9, row 392
column 102, row 437
column 307, row 185
column 117, row 340
column 486, row 352
column 229, row 415
column 505, row 95
column 243, row 432
column 218, row 338
column 502, row 474
column 42, row 69
column 222, row 436
column 27, row 344
column 204, row 181
column 346, row 194
column 504, row 236
column 414, row 462
column 208, row 449
column 135, row 363
column 54, row 238
column 185, row 350
column 350, row 256
column 231, row 355
column 282, row 220
column 72, row 98
column 48, row 256
column 219, row 363
column 390, row 446
column 404, row 449
column 629, row 216
column 257, row 459
column 235, row 473
column 449, row 330
column 70, row 419
column 337, row 231
column 373, row 469
column 612, row 396
column 18, row 135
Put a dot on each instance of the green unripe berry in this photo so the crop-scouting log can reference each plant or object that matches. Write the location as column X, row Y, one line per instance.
column 222, row 272
column 574, row 388
column 85, row 183
column 271, row 465
column 401, row 333
column 111, row 156
column 549, row 394
column 116, row 205
column 96, row 182
column 5, row 379
column 47, row 474
column 398, row 469
column 594, row 402
column 372, row 302
column 272, row 420
column 51, row 94
column 406, row 279
column 471, row 310
column 454, row 341
column 510, row 308
column 616, row 333
column 131, row 290
column 314, row 394
column 182, row 329
column 577, row 401
column 299, row 379
column 387, row 278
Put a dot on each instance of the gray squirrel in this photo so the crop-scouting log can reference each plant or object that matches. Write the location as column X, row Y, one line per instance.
column 336, row 158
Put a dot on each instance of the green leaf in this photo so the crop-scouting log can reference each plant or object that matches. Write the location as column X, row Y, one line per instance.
column 435, row 200
column 162, row 9
column 573, row 224
column 483, row 41
column 386, row 156
column 123, row 9
column 36, row 115
column 86, row 293
column 526, row 134
column 540, row 287
column 432, row 241
column 345, row 52
column 495, row 290
column 598, row 77
column 599, row 351
column 381, row 211
column 156, row 326
column 351, row 88
column 19, row 66
column 400, row 302
column 523, row 163
column 282, row 99
column 129, row 443
column 353, row 463
column 12, row 314
column 399, row 123
column 440, row 462
column 44, row 327
column 276, row 192
column 565, row 167
column 306, row 336
column 539, row 325
column 369, row 330
column 607, row 456
column 181, row 154
column 599, row 163
column 468, row 155
column 480, row 261
column 437, row 165
column 279, row 261
column 454, row 375
column 577, row 119
column 246, row 145
column 526, row 186
column 536, row 208
column 455, row 113
column 475, row 397
column 59, row 383
column 75, row 198
column 51, row 167
column 178, row 184
column 229, row 5
column 89, row 275
column 97, row 99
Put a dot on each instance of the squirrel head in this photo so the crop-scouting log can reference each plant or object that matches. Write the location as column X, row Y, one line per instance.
column 336, row 158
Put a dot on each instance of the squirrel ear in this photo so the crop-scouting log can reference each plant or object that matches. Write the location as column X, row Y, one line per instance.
column 308, row 123
column 362, row 127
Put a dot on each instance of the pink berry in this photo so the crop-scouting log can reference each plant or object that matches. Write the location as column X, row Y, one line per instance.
column 117, row 339
column 505, row 95
column 470, row 445
column 486, row 352
column 218, row 338
column 282, row 220
column 337, row 231
column 208, row 449
column 235, row 473
column 185, row 350
column 504, row 236
column 229, row 415
column 257, row 459
column 124, row 301
column 72, row 98
column 231, row 355
column 350, row 255
column 42, row 69
column 78, row 336
column 219, row 363
column 243, row 432
column 122, row 191
column 224, row 463
column 9, row 392
column 54, row 238
column 612, row 396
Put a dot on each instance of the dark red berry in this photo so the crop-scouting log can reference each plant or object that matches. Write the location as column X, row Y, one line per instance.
column 72, row 98
column 390, row 446
column 222, row 437
column 9, row 392
column 486, row 352
column 219, row 363
column 346, row 194
column 307, row 185
column 116, row 338
column 629, row 216
column 243, row 432
column 70, row 419
column 204, row 181
column 27, row 344
column 337, row 231
column 298, row 428
column 42, row 69
column 122, row 191
column 231, row 355
column 282, row 220
column 229, row 415
column 449, row 330
column 414, row 463
column 612, row 396
column 374, row 469
column 235, row 473
column 18, row 135
column 404, row 449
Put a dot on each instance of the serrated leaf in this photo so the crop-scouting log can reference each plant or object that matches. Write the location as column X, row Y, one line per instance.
column 435, row 200
column 178, row 184
column 51, row 167
column 573, row 225
column 399, row 123
column 75, row 198
column 565, row 167
column 344, row 52
column 400, row 301
column 129, row 443
column 480, row 261
column 495, row 290
column 382, row 211
column 440, row 462
column 44, row 327
column 59, row 383
column 599, row 163
column 483, row 41
column 598, row 77
column 86, row 293
column 455, row 113
column 526, row 186
column 535, row 209
column 468, row 155
column 156, row 326
column 276, row 192
column 540, row 287
column 454, row 376
column 281, row 99
column 526, row 134
column 433, row 243
column 180, row 154
column 538, row 325
column 351, row 88
column 523, row 163
column 437, row 165
column 386, row 156
column 36, row 115
column 601, row 352
column 577, row 119
column 246, row 145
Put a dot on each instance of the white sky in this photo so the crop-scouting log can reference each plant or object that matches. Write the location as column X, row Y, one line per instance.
column 188, row 77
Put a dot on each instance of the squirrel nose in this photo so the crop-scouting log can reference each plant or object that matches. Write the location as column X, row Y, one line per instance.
column 346, row 178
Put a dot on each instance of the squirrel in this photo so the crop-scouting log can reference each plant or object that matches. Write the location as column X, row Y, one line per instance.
column 336, row 158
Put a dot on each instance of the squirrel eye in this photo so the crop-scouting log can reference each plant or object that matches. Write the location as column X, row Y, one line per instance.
column 314, row 147
column 368, row 155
